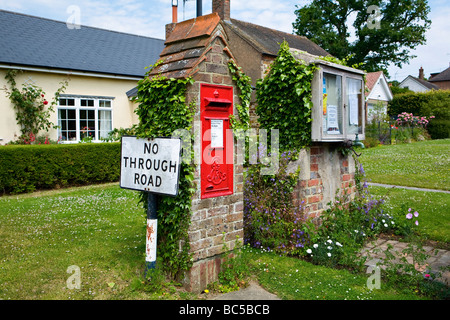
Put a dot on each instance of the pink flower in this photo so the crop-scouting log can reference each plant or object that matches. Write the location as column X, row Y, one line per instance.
column 417, row 223
column 409, row 216
column 416, row 214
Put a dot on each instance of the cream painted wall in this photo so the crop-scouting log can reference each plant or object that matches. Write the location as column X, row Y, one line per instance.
column 123, row 110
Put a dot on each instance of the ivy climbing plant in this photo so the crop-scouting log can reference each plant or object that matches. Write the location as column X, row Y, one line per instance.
column 284, row 100
column 244, row 84
column 33, row 110
column 162, row 109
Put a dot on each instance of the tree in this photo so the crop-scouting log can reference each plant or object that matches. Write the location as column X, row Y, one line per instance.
column 385, row 30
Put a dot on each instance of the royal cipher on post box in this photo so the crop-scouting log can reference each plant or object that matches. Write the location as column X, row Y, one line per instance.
column 217, row 140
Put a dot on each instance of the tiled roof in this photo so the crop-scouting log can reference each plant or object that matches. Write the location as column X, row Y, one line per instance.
column 443, row 76
column 426, row 83
column 186, row 46
column 267, row 40
column 371, row 80
column 32, row 41
column 190, row 40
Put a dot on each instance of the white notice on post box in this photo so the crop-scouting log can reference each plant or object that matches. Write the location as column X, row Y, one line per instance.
column 151, row 165
column 216, row 133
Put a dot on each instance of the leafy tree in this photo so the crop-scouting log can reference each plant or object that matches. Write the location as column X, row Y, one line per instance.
column 382, row 36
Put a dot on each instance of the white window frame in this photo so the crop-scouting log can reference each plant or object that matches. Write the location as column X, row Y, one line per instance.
column 77, row 107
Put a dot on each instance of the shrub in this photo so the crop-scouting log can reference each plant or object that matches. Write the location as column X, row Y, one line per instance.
column 271, row 221
column 431, row 103
column 347, row 224
column 370, row 142
column 33, row 167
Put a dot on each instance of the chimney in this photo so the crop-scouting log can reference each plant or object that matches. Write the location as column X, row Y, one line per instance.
column 222, row 7
column 171, row 26
column 421, row 75
column 174, row 11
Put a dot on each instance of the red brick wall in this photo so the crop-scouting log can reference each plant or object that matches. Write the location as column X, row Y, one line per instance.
column 329, row 171
column 214, row 221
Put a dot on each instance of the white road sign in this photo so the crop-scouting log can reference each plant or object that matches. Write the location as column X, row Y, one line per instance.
column 151, row 165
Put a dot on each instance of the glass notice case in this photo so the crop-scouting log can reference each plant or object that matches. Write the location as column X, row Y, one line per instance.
column 338, row 99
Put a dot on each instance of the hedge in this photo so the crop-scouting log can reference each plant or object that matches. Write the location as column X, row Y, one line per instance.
column 25, row 168
column 432, row 103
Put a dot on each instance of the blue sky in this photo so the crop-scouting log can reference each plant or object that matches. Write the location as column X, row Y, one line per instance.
column 149, row 17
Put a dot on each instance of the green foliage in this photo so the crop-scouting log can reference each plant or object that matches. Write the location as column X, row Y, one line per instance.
column 235, row 269
column 397, row 90
column 432, row 103
column 32, row 109
column 402, row 27
column 116, row 134
column 243, row 82
column 271, row 220
column 162, row 110
column 347, row 224
column 35, row 167
column 284, row 100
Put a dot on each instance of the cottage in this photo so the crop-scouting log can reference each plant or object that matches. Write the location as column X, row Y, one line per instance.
column 441, row 79
column 378, row 93
column 418, row 84
column 103, row 67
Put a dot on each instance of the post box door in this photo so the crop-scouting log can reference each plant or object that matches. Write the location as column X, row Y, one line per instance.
column 217, row 141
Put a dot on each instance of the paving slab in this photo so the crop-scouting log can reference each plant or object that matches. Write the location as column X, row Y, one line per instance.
column 253, row 292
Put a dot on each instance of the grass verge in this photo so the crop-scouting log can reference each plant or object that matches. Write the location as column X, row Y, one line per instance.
column 433, row 208
column 422, row 164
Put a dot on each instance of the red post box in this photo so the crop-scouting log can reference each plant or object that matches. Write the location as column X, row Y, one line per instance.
column 217, row 141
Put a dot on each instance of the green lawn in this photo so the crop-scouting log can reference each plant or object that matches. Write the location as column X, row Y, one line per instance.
column 423, row 164
column 101, row 229
column 295, row 279
column 433, row 208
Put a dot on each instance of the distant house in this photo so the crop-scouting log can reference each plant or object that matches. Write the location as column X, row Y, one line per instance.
column 377, row 93
column 102, row 66
column 418, row 84
column 442, row 79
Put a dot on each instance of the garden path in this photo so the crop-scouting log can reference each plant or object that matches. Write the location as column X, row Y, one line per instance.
column 438, row 258
column 411, row 188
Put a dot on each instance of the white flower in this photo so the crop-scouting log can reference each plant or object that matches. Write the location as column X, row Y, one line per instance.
column 315, row 245
column 329, row 254
column 382, row 220
column 356, row 231
column 309, row 251
column 338, row 244
column 329, row 241
column 392, row 222
column 385, row 225
column 329, row 247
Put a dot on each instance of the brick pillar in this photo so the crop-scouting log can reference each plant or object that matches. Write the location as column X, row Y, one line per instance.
column 222, row 7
